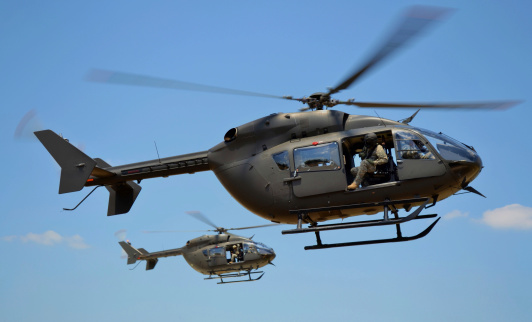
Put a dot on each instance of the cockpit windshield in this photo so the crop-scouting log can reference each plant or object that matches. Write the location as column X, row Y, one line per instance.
column 449, row 148
column 256, row 247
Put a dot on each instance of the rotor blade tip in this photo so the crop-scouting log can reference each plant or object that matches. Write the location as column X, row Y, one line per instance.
column 98, row 75
column 429, row 12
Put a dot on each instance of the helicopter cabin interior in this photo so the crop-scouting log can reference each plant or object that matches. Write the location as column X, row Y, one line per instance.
column 352, row 147
column 406, row 146
column 223, row 255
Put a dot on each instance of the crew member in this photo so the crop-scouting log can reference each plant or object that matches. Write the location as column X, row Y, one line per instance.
column 235, row 253
column 372, row 155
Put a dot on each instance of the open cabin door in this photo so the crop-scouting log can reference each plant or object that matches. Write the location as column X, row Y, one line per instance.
column 318, row 170
column 414, row 158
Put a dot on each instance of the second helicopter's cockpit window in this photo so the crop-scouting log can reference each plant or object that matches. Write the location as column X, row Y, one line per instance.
column 281, row 159
column 317, row 158
column 255, row 248
column 409, row 146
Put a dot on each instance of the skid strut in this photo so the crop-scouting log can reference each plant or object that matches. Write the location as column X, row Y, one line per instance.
column 236, row 275
column 387, row 206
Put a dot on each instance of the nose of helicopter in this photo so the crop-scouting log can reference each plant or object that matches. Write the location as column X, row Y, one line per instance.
column 267, row 254
column 467, row 171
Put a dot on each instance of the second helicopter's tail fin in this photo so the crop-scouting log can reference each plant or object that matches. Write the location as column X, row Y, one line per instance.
column 133, row 254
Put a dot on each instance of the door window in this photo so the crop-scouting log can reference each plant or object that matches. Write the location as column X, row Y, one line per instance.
column 317, row 158
column 218, row 251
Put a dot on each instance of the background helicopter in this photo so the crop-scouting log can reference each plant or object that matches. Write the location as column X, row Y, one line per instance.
column 294, row 167
column 224, row 255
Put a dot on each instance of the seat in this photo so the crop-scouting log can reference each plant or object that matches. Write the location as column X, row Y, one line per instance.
column 384, row 173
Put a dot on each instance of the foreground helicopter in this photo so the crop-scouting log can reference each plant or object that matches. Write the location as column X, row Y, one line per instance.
column 225, row 255
column 294, row 168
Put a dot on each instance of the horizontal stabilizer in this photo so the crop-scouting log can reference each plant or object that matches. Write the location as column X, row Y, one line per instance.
column 143, row 251
column 99, row 172
column 76, row 166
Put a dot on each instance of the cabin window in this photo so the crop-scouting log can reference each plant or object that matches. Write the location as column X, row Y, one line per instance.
column 281, row 159
column 218, row 251
column 317, row 158
column 409, row 146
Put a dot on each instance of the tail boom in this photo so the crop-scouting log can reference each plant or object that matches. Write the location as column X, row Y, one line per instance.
column 134, row 254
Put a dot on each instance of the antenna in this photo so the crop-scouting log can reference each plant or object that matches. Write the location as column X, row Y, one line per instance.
column 380, row 118
column 158, row 157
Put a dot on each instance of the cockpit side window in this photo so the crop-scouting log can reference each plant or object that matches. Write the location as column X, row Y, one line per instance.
column 317, row 158
column 281, row 159
column 409, row 146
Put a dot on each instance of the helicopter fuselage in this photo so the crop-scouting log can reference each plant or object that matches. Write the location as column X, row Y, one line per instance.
column 210, row 254
column 285, row 162
column 307, row 165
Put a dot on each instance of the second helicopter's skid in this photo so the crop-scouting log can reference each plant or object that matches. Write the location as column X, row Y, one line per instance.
column 370, row 223
column 235, row 275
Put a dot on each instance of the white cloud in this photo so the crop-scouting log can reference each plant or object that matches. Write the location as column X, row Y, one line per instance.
column 455, row 214
column 76, row 242
column 509, row 217
column 9, row 238
column 50, row 238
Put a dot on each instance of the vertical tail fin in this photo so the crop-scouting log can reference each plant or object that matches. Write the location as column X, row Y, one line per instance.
column 133, row 254
column 76, row 166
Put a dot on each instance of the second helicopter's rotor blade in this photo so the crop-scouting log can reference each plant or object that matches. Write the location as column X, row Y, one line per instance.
column 251, row 227
column 416, row 20
column 113, row 77
column 491, row 105
column 174, row 231
column 201, row 217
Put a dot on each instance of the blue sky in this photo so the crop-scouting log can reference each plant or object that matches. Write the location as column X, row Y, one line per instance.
column 64, row 266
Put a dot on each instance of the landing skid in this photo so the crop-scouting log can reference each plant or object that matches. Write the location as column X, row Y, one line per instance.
column 370, row 223
column 236, row 275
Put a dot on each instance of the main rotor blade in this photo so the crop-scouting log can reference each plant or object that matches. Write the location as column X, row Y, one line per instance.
column 113, row 77
column 201, row 217
column 492, row 105
column 121, row 234
column 416, row 20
